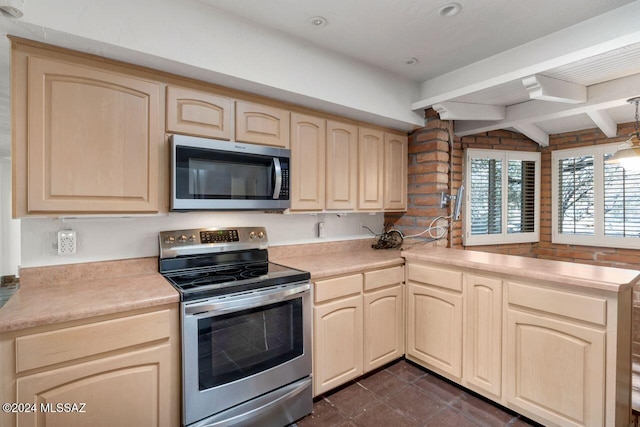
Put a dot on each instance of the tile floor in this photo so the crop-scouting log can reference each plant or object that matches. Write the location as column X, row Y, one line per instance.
column 403, row 394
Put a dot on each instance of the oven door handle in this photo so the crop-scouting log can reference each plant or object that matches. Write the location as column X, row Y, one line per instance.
column 245, row 301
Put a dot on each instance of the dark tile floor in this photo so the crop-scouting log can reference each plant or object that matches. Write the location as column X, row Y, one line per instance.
column 403, row 394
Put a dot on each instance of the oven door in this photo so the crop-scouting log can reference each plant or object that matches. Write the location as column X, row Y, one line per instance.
column 240, row 346
column 212, row 174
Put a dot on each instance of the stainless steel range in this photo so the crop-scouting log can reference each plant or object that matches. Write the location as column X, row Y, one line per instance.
column 246, row 328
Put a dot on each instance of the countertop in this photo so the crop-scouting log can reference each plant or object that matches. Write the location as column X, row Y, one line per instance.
column 49, row 295
column 344, row 262
column 567, row 273
column 55, row 294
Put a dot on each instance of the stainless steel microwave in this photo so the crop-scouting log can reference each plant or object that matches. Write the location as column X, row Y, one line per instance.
column 209, row 174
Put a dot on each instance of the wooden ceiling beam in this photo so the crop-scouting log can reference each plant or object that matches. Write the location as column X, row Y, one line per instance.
column 546, row 88
column 610, row 94
column 466, row 111
column 603, row 120
column 534, row 133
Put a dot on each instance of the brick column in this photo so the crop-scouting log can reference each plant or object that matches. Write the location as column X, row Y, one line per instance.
column 428, row 176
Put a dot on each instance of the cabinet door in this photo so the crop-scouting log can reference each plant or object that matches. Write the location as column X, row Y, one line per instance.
column 132, row 389
column 199, row 113
column 262, row 124
column 555, row 369
column 434, row 329
column 483, row 334
column 383, row 327
column 395, row 172
column 94, row 140
column 370, row 169
column 308, row 147
column 342, row 166
column 338, row 353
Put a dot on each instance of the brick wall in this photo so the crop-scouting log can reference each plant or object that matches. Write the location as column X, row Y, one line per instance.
column 430, row 173
column 428, row 176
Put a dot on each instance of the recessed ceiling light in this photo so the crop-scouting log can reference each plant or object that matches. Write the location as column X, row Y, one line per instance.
column 410, row 61
column 318, row 21
column 450, row 9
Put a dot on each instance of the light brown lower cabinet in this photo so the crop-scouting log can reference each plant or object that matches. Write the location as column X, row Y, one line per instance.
column 116, row 370
column 483, row 334
column 434, row 319
column 337, row 343
column 358, row 325
column 557, row 354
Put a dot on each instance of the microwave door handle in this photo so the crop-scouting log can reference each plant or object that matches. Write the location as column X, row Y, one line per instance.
column 278, row 182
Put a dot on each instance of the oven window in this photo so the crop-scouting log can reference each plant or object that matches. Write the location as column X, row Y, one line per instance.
column 240, row 344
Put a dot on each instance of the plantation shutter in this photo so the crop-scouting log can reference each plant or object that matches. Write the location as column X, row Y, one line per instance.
column 486, row 196
column 621, row 201
column 576, row 195
column 521, row 207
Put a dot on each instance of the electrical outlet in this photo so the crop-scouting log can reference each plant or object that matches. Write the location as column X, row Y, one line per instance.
column 66, row 242
column 321, row 230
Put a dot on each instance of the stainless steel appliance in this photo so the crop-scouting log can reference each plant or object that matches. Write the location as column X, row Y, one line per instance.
column 209, row 174
column 246, row 328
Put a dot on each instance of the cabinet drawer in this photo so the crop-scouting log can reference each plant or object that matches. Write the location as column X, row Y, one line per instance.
column 381, row 278
column 581, row 307
column 326, row 290
column 48, row 348
column 441, row 277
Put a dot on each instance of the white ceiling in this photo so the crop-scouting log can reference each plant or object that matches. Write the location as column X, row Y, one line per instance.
column 569, row 40
column 384, row 33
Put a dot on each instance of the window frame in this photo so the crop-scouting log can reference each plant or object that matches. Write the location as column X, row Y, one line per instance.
column 598, row 238
column 469, row 239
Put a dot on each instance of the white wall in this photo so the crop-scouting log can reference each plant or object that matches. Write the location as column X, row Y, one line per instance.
column 9, row 228
column 99, row 239
column 194, row 39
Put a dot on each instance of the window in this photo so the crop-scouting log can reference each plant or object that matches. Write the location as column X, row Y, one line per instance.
column 594, row 203
column 503, row 197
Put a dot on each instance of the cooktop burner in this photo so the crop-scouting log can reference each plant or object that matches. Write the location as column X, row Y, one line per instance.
column 212, row 262
column 213, row 281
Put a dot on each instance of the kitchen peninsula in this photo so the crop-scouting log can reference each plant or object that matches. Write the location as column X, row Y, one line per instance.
column 548, row 339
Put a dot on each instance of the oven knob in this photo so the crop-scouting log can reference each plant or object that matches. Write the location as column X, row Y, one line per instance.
column 252, row 235
column 192, row 238
column 261, row 235
column 182, row 239
column 169, row 240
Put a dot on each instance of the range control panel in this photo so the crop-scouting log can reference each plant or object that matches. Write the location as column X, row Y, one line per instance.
column 219, row 236
column 205, row 240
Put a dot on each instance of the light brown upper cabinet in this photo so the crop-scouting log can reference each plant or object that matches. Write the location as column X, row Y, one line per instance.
column 342, row 166
column 308, row 142
column 198, row 113
column 370, row 168
column 89, row 139
column 262, row 124
column 395, row 172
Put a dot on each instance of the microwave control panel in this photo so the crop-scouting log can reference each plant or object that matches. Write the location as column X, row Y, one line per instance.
column 284, row 190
